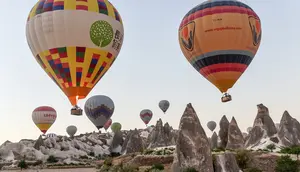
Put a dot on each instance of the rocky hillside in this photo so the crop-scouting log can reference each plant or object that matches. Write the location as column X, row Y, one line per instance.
column 187, row 147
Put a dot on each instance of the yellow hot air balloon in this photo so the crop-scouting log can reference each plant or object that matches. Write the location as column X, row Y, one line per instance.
column 75, row 42
column 220, row 39
column 43, row 117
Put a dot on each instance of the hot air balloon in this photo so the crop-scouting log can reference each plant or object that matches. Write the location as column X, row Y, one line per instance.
column 44, row 117
column 116, row 127
column 249, row 129
column 51, row 135
column 107, row 124
column 71, row 130
column 220, row 39
column 212, row 125
column 99, row 109
column 146, row 116
column 164, row 105
column 75, row 43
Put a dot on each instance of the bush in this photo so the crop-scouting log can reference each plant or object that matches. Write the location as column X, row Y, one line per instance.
column 157, row 167
column 22, row 164
column 52, row 159
column 190, row 169
column 243, row 158
column 148, row 152
column 286, row 164
column 219, row 149
column 92, row 154
column 108, row 161
column 84, row 157
column 271, row 147
column 252, row 170
column 291, row 150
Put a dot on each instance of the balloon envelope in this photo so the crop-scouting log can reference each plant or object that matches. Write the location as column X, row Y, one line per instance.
column 164, row 105
column 75, row 42
column 51, row 135
column 146, row 115
column 107, row 124
column 212, row 125
column 220, row 39
column 99, row 109
column 116, row 127
column 71, row 130
column 43, row 117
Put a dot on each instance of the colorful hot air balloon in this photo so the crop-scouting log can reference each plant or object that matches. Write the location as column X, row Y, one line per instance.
column 75, row 42
column 220, row 39
column 212, row 125
column 164, row 105
column 146, row 115
column 107, row 124
column 71, row 130
column 99, row 109
column 116, row 126
column 44, row 117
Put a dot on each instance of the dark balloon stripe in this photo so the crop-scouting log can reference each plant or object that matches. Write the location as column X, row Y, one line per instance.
column 218, row 59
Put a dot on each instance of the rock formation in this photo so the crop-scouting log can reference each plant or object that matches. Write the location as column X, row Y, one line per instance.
column 124, row 146
column 39, row 142
column 263, row 127
column 192, row 147
column 235, row 136
column 223, row 132
column 226, row 163
column 135, row 143
column 289, row 130
column 161, row 136
column 117, row 140
column 214, row 141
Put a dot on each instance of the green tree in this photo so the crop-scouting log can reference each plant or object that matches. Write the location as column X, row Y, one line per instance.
column 286, row 164
column 22, row 164
column 101, row 33
column 296, row 151
column 271, row 147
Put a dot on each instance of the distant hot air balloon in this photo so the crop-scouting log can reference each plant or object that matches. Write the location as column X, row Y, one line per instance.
column 99, row 109
column 212, row 125
column 116, row 127
column 220, row 39
column 75, row 43
column 71, row 130
column 44, row 117
column 164, row 105
column 146, row 115
column 249, row 129
column 51, row 135
column 107, row 124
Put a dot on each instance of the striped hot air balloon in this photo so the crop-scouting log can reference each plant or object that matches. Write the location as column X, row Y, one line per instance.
column 220, row 39
column 43, row 117
column 146, row 116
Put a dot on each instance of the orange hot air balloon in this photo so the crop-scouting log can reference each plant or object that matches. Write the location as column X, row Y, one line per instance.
column 75, row 42
column 220, row 39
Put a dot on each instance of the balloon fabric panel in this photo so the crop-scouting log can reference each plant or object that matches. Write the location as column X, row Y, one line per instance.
column 220, row 39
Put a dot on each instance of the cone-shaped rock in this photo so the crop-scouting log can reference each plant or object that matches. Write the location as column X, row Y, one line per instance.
column 124, row 146
column 157, row 137
column 117, row 140
column 135, row 143
column 192, row 147
column 235, row 136
column 223, row 132
column 263, row 126
column 289, row 130
column 39, row 142
column 214, row 141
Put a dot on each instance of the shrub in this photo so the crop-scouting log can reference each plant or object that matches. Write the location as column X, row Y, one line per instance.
column 148, row 151
column 252, row 170
column 243, row 158
column 158, row 167
column 286, row 164
column 22, row 164
column 108, row 161
column 271, row 147
column 219, row 149
column 92, row 154
column 190, row 169
column 52, row 159
column 84, row 157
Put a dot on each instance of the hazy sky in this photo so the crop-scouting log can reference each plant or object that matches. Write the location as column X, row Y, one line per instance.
column 151, row 67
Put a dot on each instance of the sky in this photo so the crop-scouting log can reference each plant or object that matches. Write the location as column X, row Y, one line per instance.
column 151, row 67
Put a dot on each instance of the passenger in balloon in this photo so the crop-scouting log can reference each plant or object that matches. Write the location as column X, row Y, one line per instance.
column 226, row 98
column 76, row 110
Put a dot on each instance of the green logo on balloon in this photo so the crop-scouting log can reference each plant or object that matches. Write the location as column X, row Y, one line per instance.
column 101, row 33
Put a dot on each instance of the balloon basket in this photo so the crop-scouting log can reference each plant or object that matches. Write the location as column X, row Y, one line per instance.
column 76, row 111
column 226, row 98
